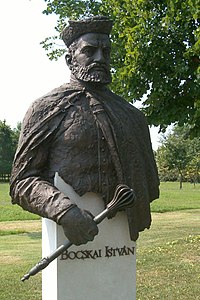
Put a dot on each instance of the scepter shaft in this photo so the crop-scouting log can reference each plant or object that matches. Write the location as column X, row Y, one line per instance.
column 123, row 198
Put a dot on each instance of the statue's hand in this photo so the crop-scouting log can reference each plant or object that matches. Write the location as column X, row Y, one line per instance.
column 79, row 226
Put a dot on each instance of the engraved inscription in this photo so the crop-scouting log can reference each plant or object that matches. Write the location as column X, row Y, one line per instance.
column 94, row 254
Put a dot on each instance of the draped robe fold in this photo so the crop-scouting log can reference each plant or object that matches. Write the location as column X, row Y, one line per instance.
column 126, row 134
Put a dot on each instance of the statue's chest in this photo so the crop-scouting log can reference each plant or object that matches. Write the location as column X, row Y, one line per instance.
column 87, row 127
column 78, row 129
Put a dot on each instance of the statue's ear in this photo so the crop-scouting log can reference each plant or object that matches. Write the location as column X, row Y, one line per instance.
column 68, row 60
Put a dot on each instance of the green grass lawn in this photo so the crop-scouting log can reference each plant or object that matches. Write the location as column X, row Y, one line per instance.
column 18, row 253
column 10, row 212
column 168, row 255
column 172, row 198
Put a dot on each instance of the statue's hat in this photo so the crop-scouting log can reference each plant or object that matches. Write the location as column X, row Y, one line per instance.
column 97, row 24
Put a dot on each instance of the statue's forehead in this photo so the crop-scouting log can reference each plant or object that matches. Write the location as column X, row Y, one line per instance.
column 94, row 39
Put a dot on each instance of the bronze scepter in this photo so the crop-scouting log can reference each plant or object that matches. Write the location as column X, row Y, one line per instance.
column 124, row 197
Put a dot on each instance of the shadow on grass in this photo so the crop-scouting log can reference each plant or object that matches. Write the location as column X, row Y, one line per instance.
column 12, row 232
column 35, row 235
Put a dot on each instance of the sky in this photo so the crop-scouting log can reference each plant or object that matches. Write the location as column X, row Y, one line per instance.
column 25, row 70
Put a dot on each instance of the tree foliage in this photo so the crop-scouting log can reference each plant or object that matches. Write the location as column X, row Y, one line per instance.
column 156, row 53
column 179, row 156
column 8, row 144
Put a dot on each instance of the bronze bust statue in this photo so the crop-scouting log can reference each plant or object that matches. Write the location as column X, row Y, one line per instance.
column 93, row 138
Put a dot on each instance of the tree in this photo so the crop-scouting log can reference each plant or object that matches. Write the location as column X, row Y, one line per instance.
column 179, row 155
column 8, row 145
column 156, row 53
column 15, row 134
column 193, row 167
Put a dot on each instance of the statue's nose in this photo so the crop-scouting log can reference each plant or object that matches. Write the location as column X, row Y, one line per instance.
column 99, row 57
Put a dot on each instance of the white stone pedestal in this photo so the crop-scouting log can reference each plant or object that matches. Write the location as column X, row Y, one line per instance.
column 102, row 269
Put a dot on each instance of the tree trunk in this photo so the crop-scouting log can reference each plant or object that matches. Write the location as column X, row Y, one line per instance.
column 181, row 180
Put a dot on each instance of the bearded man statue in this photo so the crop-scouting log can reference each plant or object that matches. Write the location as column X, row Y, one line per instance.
column 90, row 136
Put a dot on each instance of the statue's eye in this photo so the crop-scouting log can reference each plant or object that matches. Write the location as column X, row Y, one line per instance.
column 106, row 52
column 89, row 51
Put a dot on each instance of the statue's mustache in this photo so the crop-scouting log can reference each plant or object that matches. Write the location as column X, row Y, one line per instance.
column 99, row 66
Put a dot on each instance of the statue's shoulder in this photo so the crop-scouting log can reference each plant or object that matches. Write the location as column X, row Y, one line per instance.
column 52, row 97
column 49, row 100
column 44, row 105
column 127, row 105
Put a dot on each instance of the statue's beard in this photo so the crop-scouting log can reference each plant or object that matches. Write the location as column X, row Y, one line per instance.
column 96, row 73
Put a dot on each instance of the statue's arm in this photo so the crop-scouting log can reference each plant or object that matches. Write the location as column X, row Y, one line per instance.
column 37, row 195
column 35, row 192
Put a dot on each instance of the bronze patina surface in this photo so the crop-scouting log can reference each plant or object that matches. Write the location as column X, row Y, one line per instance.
column 93, row 138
